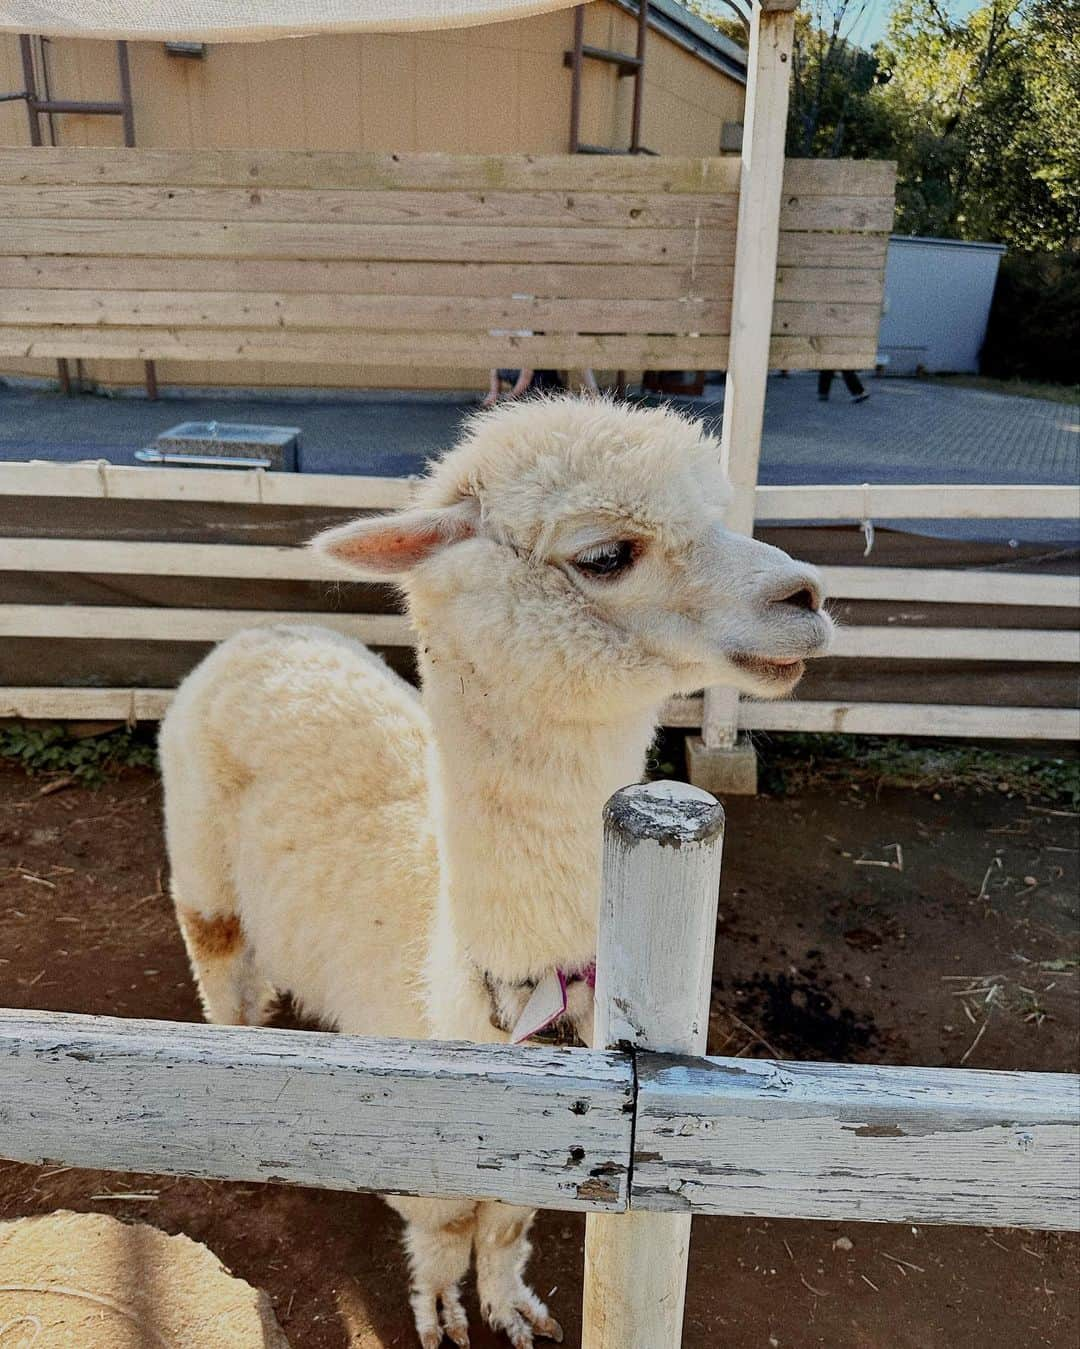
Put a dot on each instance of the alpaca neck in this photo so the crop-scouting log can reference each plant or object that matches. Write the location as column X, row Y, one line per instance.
column 520, row 788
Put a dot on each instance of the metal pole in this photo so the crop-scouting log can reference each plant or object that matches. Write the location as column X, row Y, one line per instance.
column 27, row 51
column 124, row 67
column 575, row 79
column 639, row 76
column 125, row 92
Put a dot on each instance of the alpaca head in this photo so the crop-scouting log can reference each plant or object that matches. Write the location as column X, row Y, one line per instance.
column 577, row 550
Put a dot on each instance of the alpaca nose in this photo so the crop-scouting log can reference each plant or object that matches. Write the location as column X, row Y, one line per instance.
column 799, row 592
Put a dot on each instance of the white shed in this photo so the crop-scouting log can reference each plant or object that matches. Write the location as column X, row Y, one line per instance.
column 937, row 302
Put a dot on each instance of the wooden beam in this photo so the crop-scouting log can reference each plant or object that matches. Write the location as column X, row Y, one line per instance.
column 106, row 166
column 839, row 177
column 806, row 248
column 947, row 587
column 153, row 624
column 1008, row 723
column 110, row 557
column 256, row 487
column 851, row 214
column 1001, row 723
column 857, row 213
column 521, row 209
column 109, row 166
column 819, row 1140
column 672, row 280
column 114, row 623
column 394, row 243
column 818, row 502
column 478, row 347
column 287, row 311
column 45, row 704
column 934, row 719
column 939, row 502
column 995, row 644
column 828, row 285
column 530, row 1125
column 757, row 252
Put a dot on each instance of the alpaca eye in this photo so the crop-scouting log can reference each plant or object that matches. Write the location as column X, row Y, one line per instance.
column 607, row 559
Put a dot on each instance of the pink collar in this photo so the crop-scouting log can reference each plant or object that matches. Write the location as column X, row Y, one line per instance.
column 586, row 975
column 548, row 1001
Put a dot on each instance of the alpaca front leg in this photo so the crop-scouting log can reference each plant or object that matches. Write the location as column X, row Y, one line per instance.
column 231, row 990
column 506, row 1300
column 438, row 1238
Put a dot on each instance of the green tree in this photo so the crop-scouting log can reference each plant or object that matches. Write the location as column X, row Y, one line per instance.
column 980, row 110
column 830, row 111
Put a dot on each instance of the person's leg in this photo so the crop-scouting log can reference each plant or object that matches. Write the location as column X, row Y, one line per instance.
column 521, row 384
column 824, row 384
column 589, row 381
column 492, row 395
column 854, row 385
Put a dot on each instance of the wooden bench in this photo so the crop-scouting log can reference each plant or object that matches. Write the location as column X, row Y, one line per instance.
column 426, row 260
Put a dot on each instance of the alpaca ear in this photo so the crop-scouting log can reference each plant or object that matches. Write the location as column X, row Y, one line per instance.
column 387, row 544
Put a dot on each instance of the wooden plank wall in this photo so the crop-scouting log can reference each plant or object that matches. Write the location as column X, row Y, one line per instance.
column 116, row 584
column 495, row 89
column 438, row 260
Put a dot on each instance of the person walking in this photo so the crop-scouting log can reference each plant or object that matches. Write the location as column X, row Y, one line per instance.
column 851, row 379
column 522, row 382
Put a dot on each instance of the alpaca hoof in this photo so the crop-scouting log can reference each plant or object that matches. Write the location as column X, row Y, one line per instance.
column 525, row 1318
column 549, row 1328
column 441, row 1317
column 454, row 1322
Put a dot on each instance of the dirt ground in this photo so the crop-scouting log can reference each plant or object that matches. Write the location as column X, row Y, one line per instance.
column 961, row 948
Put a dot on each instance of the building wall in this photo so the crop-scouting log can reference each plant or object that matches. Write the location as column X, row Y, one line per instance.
column 500, row 88
column 937, row 303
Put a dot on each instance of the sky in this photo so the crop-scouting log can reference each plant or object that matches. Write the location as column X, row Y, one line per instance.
column 871, row 27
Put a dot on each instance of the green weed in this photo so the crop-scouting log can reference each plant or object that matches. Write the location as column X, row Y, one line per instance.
column 792, row 763
column 51, row 748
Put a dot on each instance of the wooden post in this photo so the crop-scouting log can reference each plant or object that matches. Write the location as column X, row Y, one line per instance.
column 772, row 32
column 662, row 847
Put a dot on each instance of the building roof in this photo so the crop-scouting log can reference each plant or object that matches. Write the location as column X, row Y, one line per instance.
column 695, row 35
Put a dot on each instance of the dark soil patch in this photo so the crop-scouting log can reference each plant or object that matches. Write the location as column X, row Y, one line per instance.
column 802, row 1017
column 818, row 955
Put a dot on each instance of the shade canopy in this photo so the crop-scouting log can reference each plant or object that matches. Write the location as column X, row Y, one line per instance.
column 253, row 20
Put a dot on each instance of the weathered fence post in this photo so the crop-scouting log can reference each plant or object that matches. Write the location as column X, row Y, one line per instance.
column 662, row 847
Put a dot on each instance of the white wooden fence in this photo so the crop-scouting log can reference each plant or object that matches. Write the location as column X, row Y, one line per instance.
column 642, row 1135
column 42, row 487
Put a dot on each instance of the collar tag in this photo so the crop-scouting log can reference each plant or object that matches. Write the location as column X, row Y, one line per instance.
column 546, row 1004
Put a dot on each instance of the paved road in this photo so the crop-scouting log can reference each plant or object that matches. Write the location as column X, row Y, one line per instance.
column 907, row 432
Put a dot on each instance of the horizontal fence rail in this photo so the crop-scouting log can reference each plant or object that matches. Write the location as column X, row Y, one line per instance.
column 210, row 625
column 267, row 562
column 829, row 501
column 819, row 1140
column 542, row 1126
column 1011, row 723
column 549, row 1127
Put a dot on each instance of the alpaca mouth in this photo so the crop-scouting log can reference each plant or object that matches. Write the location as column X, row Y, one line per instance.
column 770, row 668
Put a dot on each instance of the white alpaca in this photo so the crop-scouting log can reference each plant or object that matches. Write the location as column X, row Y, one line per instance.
column 415, row 868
